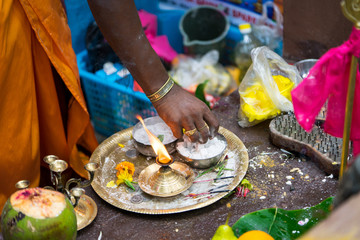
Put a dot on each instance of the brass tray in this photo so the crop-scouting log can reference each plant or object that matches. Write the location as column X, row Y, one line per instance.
column 116, row 149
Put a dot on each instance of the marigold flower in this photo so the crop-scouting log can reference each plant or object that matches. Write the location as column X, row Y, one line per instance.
column 125, row 171
column 123, row 176
column 125, row 167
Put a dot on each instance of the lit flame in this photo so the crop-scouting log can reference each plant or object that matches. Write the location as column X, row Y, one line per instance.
column 157, row 145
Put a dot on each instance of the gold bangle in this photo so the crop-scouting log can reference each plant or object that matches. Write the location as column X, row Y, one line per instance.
column 159, row 94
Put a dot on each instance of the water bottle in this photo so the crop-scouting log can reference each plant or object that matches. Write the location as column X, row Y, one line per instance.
column 243, row 49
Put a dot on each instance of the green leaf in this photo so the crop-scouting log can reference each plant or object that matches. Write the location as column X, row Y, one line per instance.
column 200, row 92
column 128, row 183
column 161, row 138
column 283, row 224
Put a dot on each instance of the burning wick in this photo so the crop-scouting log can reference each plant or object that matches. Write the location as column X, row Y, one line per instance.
column 156, row 144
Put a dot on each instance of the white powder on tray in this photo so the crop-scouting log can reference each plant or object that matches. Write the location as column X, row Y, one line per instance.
column 211, row 148
column 157, row 129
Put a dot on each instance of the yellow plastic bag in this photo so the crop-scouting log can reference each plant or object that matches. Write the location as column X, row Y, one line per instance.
column 266, row 87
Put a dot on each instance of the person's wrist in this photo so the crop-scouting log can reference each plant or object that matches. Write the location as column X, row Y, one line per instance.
column 162, row 91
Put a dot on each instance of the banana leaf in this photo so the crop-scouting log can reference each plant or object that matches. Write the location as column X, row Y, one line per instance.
column 283, row 224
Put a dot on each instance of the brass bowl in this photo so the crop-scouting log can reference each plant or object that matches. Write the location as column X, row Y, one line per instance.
column 143, row 146
column 204, row 162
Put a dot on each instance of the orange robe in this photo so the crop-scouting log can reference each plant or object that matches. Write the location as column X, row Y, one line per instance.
column 34, row 36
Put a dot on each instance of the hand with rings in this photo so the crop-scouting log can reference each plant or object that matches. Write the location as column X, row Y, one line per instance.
column 186, row 115
column 204, row 130
column 191, row 132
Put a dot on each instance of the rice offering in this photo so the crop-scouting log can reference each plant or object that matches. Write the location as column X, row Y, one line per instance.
column 213, row 147
column 157, row 127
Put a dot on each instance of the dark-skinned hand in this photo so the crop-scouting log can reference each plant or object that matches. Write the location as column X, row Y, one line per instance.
column 182, row 110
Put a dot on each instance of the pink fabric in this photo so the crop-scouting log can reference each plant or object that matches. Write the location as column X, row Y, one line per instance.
column 148, row 22
column 160, row 44
column 328, row 80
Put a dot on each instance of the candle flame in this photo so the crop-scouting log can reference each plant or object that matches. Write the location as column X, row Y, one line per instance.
column 156, row 144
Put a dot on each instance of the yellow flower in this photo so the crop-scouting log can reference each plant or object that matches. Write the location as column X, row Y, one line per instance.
column 285, row 85
column 125, row 171
column 257, row 103
column 122, row 177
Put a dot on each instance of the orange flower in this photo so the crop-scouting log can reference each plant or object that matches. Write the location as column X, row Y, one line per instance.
column 127, row 167
column 125, row 171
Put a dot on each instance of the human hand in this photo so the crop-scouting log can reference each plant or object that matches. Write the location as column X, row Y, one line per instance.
column 180, row 109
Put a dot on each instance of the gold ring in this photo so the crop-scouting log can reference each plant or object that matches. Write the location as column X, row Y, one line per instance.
column 203, row 127
column 190, row 132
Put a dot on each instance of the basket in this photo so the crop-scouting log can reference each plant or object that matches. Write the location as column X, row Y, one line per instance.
column 111, row 100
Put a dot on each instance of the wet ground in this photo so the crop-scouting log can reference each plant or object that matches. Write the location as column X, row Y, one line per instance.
column 278, row 180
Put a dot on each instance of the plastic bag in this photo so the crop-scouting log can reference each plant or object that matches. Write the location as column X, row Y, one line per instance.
column 265, row 89
column 190, row 72
column 271, row 37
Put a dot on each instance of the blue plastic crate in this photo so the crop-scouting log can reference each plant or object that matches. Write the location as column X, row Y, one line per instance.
column 80, row 16
column 112, row 103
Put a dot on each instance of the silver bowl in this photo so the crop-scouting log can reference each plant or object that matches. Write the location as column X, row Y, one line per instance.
column 142, row 144
column 304, row 66
column 204, row 162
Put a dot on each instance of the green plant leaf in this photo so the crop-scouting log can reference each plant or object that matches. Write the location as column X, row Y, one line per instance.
column 200, row 92
column 283, row 224
column 161, row 138
column 128, row 183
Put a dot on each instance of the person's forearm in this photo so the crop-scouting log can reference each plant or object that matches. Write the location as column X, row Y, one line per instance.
column 119, row 22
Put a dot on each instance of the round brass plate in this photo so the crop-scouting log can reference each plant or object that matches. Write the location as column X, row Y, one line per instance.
column 113, row 151
column 171, row 181
column 85, row 211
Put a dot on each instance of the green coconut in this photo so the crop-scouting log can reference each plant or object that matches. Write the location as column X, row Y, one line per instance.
column 37, row 213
